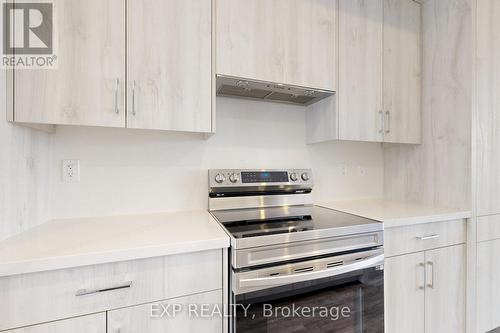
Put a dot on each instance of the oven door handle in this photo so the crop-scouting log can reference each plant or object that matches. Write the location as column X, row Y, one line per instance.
column 308, row 276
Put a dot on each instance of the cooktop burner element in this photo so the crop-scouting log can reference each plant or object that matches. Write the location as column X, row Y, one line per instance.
column 257, row 222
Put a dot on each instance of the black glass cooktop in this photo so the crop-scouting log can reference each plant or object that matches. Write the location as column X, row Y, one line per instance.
column 247, row 223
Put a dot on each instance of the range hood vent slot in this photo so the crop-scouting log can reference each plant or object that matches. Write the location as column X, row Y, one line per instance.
column 296, row 99
column 228, row 90
column 267, row 91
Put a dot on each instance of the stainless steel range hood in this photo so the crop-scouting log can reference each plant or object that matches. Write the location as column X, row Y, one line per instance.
column 268, row 91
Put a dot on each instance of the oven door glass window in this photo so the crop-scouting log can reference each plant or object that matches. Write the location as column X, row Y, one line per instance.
column 349, row 303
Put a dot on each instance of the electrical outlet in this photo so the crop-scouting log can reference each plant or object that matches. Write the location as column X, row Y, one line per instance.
column 343, row 169
column 71, row 171
column 361, row 171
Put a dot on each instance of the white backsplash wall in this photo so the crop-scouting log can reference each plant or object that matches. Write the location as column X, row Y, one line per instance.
column 135, row 171
column 24, row 174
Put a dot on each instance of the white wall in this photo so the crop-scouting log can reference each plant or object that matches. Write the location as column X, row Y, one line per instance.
column 134, row 171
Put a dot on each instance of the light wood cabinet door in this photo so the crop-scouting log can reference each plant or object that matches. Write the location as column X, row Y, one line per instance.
column 445, row 290
column 188, row 317
column 169, row 64
column 488, row 288
column 402, row 71
column 283, row 41
column 95, row 323
column 488, row 104
column 404, row 293
column 360, row 70
column 87, row 87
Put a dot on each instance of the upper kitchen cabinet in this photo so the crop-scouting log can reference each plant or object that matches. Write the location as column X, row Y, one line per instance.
column 402, row 71
column 158, row 53
column 360, row 70
column 379, row 71
column 291, row 42
column 87, row 87
column 169, row 64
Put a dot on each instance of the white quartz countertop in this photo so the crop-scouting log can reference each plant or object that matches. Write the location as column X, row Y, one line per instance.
column 395, row 214
column 88, row 241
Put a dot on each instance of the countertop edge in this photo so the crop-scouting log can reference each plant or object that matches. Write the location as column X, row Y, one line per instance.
column 106, row 257
column 404, row 221
column 394, row 223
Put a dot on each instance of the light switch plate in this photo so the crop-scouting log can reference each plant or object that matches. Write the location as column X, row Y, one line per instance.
column 71, row 171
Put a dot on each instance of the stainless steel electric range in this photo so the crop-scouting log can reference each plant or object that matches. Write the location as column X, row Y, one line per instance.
column 294, row 266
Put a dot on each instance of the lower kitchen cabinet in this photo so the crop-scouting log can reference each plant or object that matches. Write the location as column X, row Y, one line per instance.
column 425, row 291
column 194, row 313
column 74, row 292
column 445, row 290
column 405, row 293
column 488, row 288
column 95, row 323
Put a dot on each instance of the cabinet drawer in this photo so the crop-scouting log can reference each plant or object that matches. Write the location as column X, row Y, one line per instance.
column 488, row 228
column 95, row 323
column 423, row 237
column 40, row 297
column 183, row 314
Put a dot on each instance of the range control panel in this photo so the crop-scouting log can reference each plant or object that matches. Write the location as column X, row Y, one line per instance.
column 235, row 177
column 264, row 177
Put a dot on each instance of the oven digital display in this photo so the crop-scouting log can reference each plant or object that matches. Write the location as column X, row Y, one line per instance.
column 264, row 177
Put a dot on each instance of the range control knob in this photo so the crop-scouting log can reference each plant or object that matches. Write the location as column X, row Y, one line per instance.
column 294, row 177
column 305, row 176
column 234, row 178
column 219, row 178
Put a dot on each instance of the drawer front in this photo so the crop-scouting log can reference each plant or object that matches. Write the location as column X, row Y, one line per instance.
column 488, row 228
column 95, row 323
column 421, row 237
column 40, row 297
column 184, row 314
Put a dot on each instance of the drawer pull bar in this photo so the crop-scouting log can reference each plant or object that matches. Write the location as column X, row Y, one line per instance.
column 428, row 237
column 83, row 292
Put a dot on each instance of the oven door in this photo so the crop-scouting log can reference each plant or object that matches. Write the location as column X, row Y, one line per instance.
column 341, row 294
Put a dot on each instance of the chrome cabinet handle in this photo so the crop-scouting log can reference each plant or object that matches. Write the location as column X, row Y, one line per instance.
column 430, row 284
column 381, row 126
column 83, row 292
column 117, row 87
column 388, row 122
column 422, row 286
column 133, row 97
column 428, row 237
